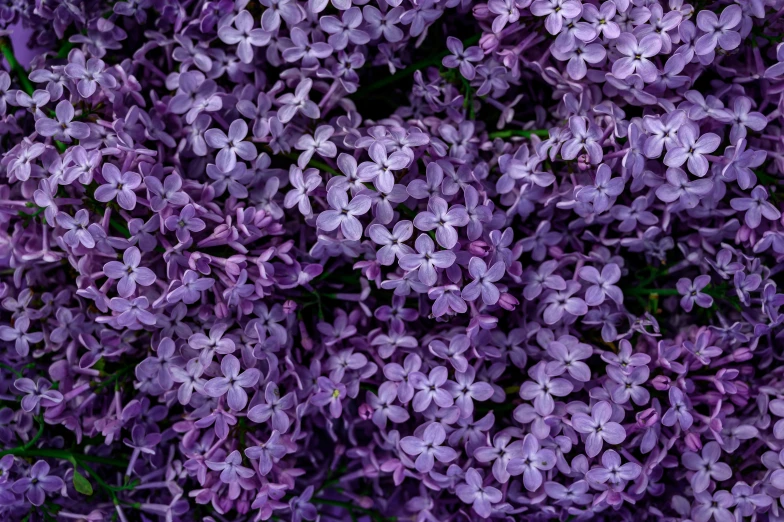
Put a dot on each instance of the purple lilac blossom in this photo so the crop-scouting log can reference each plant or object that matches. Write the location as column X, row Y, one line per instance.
column 399, row 260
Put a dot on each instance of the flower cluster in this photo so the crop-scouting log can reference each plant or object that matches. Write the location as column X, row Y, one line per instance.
column 426, row 260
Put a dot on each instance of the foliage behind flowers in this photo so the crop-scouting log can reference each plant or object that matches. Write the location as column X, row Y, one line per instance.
column 392, row 260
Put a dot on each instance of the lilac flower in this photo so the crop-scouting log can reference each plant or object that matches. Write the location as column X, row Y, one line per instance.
column 706, row 467
column 718, row 30
column 90, row 75
column 244, row 36
column 584, row 137
column 679, row 188
column 613, row 471
column 500, row 454
column 38, row 484
column 319, row 142
column 233, row 179
column 166, row 193
column 77, row 229
column 601, row 18
column 400, row 375
column 428, row 448
column 426, row 260
column 118, row 185
column 443, row 219
column 462, row 58
column 330, row 393
column 531, row 462
column 267, row 453
column 432, row 388
column 598, row 428
column 580, row 55
column 678, row 411
column 636, row 56
column 692, row 292
column 629, row 385
column 64, row 128
column 231, row 471
column 286, row 10
column 19, row 335
column 483, row 281
column 129, row 272
column 343, row 213
column 756, row 207
column 542, row 278
column 275, row 408
column 560, row 302
column 186, row 223
column 479, row 496
column 346, row 30
column 190, row 288
column 739, row 162
column 303, row 185
column 603, row 192
column 556, row 11
column 304, row 51
column 195, row 96
column 603, row 285
column 232, row 383
column 380, row 169
column 568, row 357
column 37, row 394
column 714, row 505
column 543, row 388
column 465, row 391
column 392, row 243
column 692, row 150
column 383, row 409
column 189, row 379
column 231, row 145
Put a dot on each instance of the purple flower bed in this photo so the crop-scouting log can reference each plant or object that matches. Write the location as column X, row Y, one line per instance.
column 392, row 260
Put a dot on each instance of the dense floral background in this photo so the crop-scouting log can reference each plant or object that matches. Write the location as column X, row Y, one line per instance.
column 391, row 260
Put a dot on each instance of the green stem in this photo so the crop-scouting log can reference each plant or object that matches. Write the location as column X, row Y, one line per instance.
column 8, row 52
column 544, row 133
column 12, row 370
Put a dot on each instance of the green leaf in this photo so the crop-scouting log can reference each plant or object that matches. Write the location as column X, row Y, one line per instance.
column 81, row 484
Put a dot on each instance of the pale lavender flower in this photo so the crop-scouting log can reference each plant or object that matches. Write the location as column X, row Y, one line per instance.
column 129, row 272
column 428, row 448
column 636, row 57
column 483, row 281
column 432, row 388
column 344, row 214
column 232, row 383
column 479, row 496
column 612, row 471
column 383, row 407
column 756, row 207
column 64, row 128
column 692, row 292
column 692, row 150
column 426, row 260
column 380, row 169
column 443, row 219
column 598, row 428
column 38, row 484
column 706, row 467
column 465, row 391
column 532, row 461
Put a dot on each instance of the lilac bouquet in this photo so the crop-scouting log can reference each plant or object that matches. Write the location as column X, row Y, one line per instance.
column 391, row 260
